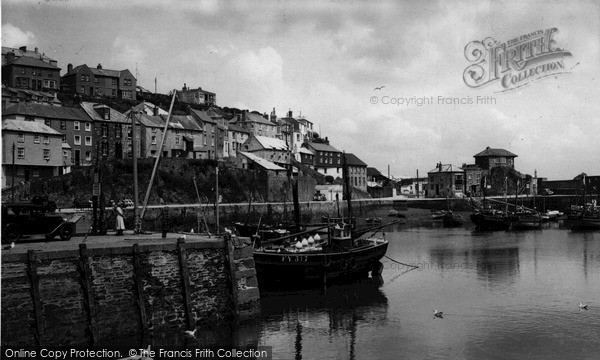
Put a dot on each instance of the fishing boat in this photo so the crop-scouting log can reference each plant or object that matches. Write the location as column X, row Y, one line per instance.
column 584, row 218
column 311, row 259
column 526, row 219
column 490, row 219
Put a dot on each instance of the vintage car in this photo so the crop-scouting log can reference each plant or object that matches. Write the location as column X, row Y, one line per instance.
column 32, row 220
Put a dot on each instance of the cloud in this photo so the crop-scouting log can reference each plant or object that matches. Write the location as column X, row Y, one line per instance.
column 12, row 36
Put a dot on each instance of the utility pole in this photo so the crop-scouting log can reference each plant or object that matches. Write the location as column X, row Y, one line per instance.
column 136, row 216
column 217, row 196
column 417, row 183
column 12, row 189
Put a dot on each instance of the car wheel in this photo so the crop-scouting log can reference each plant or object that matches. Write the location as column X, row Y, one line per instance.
column 11, row 234
column 65, row 233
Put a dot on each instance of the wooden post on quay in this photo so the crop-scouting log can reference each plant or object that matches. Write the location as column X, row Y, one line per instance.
column 88, row 296
column 139, row 287
column 34, row 283
column 185, row 284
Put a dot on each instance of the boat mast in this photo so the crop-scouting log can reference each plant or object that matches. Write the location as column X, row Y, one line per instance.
column 348, row 194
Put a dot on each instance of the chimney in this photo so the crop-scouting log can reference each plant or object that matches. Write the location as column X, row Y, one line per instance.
column 69, row 68
column 36, row 50
column 273, row 116
column 155, row 111
column 440, row 166
column 99, row 67
column 184, row 87
column 23, row 48
column 10, row 57
column 289, row 114
column 326, row 140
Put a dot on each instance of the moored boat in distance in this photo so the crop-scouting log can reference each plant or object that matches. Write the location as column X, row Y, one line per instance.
column 584, row 217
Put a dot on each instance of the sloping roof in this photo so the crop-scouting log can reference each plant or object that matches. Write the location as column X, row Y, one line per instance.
column 203, row 116
column 115, row 116
column 147, row 108
column 447, row 168
column 353, row 160
column 106, row 72
column 237, row 128
column 495, row 152
column 47, row 111
column 152, row 121
column 322, row 147
column 186, row 122
column 29, row 127
column 304, row 150
column 29, row 53
column 272, row 143
column 262, row 162
column 30, row 61
column 252, row 117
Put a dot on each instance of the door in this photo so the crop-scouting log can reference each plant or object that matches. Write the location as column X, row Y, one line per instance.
column 77, row 157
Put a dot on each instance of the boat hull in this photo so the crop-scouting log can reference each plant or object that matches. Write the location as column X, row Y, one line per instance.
column 490, row 222
column 583, row 223
column 315, row 269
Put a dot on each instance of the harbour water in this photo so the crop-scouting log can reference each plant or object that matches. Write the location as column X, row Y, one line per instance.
column 503, row 294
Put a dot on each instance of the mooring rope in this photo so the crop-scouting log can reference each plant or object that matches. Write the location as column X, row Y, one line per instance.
column 398, row 262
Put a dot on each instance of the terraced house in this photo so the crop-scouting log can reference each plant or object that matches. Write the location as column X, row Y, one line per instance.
column 75, row 126
column 112, row 131
column 29, row 72
column 30, row 150
column 120, row 84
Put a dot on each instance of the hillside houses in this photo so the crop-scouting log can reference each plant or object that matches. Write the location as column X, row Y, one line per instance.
column 91, row 129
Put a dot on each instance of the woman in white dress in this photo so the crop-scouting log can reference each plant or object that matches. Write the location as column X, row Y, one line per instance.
column 120, row 221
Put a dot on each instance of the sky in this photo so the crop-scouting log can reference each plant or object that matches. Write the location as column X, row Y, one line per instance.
column 325, row 59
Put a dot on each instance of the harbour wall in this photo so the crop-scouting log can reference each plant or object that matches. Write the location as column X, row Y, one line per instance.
column 95, row 296
column 189, row 216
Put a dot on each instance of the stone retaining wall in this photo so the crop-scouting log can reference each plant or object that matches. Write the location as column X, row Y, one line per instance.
column 97, row 295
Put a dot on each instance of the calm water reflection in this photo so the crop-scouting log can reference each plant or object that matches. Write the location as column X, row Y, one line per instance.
column 503, row 294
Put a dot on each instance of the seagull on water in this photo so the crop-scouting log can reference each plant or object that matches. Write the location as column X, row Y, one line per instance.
column 191, row 333
column 583, row 306
column 9, row 247
column 438, row 314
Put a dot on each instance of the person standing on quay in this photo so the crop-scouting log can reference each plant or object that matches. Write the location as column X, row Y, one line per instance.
column 120, row 220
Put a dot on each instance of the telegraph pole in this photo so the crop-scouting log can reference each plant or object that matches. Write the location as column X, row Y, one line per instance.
column 12, row 190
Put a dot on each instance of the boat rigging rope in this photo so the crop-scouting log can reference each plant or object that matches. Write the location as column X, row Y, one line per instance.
column 398, row 262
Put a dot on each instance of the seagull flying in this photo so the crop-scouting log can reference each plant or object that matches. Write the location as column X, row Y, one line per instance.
column 9, row 247
column 583, row 306
column 438, row 314
column 379, row 88
column 191, row 333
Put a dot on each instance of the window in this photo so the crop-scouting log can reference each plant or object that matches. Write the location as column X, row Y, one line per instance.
column 46, row 154
column 153, row 140
column 212, row 142
column 46, row 140
column 22, row 82
column 63, row 125
column 65, row 154
column 118, row 131
column 126, row 95
column 114, row 92
column 88, row 156
column 50, row 84
column 104, row 130
column 77, row 140
column 64, row 138
column 76, row 125
column 128, row 82
column 21, row 138
column 177, row 140
column 82, row 89
column 36, row 139
column 47, row 122
column 88, row 141
column 104, row 149
column 36, row 173
column 22, row 70
column 88, row 126
column 20, row 153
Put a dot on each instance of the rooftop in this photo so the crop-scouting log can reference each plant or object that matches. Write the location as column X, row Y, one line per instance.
column 29, row 127
column 33, row 62
column 322, row 147
column 272, row 143
column 91, row 110
column 449, row 168
column 495, row 152
column 353, row 160
column 47, row 111
column 262, row 162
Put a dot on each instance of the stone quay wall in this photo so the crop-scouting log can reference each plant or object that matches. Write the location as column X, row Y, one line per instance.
column 93, row 296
